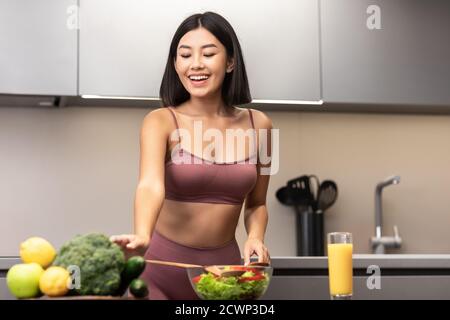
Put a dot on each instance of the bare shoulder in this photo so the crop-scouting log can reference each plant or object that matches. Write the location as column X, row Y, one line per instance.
column 158, row 119
column 261, row 119
column 160, row 114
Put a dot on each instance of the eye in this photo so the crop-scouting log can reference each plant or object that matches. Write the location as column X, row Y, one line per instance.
column 185, row 55
column 209, row 55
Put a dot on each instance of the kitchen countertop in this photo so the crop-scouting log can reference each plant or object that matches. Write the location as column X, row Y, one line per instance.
column 389, row 261
column 402, row 276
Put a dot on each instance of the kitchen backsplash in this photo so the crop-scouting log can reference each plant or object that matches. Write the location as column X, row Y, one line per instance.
column 73, row 170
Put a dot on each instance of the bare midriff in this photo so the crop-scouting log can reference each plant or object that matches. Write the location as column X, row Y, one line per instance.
column 198, row 224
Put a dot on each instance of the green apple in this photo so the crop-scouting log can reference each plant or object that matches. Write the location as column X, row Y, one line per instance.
column 23, row 279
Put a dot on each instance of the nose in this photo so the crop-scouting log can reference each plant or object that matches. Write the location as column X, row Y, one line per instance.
column 197, row 62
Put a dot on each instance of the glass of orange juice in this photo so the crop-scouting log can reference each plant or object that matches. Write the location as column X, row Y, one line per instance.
column 340, row 265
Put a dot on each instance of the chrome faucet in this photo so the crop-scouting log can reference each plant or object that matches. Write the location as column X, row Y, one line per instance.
column 380, row 243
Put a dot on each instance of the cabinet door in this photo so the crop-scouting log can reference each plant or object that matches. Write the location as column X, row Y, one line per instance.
column 124, row 44
column 385, row 51
column 38, row 47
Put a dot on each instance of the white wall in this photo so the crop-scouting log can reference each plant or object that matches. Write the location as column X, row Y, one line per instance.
column 74, row 170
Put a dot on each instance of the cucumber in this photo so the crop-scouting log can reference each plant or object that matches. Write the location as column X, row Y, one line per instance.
column 138, row 288
column 133, row 269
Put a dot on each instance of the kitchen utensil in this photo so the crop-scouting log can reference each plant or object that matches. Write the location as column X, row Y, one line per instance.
column 299, row 191
column 327, row 195
column 214, row 269
column 282, row 195
column 259, row 264
column 296, row 192
column 314, row 190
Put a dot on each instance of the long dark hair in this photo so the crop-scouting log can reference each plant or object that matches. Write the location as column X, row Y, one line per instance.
column 235, row 88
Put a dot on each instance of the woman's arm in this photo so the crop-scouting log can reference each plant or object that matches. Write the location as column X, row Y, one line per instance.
column 150, row 190
column 255, row 213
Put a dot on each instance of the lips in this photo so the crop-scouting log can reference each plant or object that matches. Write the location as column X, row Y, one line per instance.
column 198, row 83
column 198, row 76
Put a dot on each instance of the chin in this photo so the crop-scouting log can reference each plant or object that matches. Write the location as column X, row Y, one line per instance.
column 201, row 94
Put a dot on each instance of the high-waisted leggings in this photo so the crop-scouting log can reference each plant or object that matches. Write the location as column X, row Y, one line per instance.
column 172, row 283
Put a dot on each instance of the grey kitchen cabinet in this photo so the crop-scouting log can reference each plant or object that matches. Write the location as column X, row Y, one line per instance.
column 399, row 276
column 38, row 47
column 124, row 44
column 4, row 291
column 386, row 51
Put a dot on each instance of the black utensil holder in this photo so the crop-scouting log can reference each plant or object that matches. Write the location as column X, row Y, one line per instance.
column 310, row 232
column 319, row 236
column 305, row 233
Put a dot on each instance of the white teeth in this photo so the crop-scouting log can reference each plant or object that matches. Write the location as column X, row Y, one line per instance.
column 198, row 77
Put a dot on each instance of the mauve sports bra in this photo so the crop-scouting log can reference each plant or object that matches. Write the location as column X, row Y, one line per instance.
column 194, row 179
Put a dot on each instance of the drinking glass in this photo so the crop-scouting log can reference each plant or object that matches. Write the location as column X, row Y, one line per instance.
column 340, row 265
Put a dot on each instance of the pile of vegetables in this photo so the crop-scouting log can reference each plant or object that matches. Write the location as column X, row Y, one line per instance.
column 250, row 285
column 103, row 267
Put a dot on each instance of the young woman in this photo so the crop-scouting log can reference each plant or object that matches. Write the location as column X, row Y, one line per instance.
column 187, row 204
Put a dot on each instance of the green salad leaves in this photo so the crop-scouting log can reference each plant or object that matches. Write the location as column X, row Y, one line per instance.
column 248, row 286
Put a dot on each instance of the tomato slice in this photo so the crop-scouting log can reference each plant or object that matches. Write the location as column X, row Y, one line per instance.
column 240, row 268
column 254, row 278
column 196, row 279
column 256, row 271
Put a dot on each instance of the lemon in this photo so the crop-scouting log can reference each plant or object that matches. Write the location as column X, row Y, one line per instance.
column 54, row 281
column 39, row 250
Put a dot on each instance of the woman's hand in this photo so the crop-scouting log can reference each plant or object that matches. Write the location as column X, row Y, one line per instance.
column 254, row 245
column 131, row 244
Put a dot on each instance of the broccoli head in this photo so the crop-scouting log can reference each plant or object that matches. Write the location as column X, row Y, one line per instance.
column 100, row 261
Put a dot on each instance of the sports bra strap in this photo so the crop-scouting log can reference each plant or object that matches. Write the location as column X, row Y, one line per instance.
column 251, row 118
column 255, row 147
column 176, row 122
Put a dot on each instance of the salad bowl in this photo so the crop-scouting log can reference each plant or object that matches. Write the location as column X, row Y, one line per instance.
column 251, row 284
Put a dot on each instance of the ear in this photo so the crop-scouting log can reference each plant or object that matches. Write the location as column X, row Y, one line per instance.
column 230, row 65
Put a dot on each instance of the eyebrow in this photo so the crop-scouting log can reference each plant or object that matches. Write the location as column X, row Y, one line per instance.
column 183, row 46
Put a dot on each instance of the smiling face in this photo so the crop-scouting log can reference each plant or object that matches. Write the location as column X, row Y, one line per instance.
column 201, row 63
